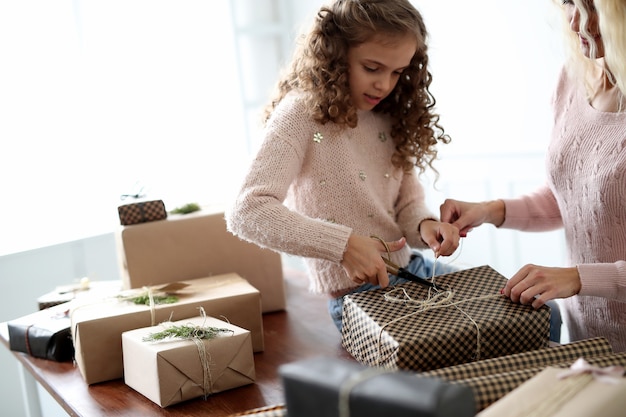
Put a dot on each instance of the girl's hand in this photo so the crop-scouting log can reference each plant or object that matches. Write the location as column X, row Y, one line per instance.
column 442, row 238
column 466, row 216
column 537, row 284
column 363, row 262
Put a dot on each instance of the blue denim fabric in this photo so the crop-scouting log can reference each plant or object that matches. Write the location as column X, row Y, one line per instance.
column 555, row 321
column 418, row 265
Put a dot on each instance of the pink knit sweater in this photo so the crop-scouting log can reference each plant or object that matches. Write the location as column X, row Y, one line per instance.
column 333, row 182
column 586, row 195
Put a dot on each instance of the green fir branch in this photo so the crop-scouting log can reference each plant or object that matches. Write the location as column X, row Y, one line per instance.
column 186, row 332
column 158, row 299
column 186, row 209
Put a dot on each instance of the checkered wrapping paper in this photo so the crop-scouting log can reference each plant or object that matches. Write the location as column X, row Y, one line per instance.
column 490, row 388
column 536, row 358
column 142, row 212
column 442, row 337
column 279, row 410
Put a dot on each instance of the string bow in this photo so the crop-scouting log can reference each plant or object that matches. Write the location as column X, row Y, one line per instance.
column 608, row 375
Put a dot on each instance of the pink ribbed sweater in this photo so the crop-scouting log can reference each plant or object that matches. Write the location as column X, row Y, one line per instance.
column 586, row 194
column 332, row 182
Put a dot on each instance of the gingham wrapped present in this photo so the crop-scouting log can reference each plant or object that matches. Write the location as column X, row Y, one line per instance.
column 536, row 358
column 490, row 388
column 491, row 379
column 389, row 328
column 583, row 390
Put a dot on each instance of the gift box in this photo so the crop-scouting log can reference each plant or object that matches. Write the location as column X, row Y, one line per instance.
column 490, row 388
column 142, row 212
column 333, row 387
column 491, row 379
column 198, row 245
column 173, row 370
column 581, row 391
column 83, row 291
column 97, row 327
column 597, row 346
column 44, row 334
column 464, row 319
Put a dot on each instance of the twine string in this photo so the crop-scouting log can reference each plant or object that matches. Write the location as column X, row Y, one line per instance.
column 152, row 306
column 346, row 387
column 205, row 357
column 205, row 361
column 437, row 298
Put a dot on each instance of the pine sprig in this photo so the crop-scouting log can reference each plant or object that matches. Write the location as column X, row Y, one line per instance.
column 186, row 209
column 186, row 332
column 144, row 299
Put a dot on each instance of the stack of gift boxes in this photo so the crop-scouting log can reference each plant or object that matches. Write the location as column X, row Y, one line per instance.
column 221, row 282
column 186, row 271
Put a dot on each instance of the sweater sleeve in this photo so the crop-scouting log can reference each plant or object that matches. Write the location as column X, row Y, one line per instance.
column 535, row 212
column 258, row 214
column 606, row 280
column 411, row 209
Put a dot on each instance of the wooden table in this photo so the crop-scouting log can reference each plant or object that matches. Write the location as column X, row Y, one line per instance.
column 303, row 330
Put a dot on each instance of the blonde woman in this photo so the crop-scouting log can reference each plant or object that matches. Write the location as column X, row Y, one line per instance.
column 585, row 192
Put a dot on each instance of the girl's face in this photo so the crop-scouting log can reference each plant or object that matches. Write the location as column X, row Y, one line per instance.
column 375, row 67
column 593, row 28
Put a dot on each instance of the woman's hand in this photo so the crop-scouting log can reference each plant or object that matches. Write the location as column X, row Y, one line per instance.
column 442, row 238
column 537, row 284
column 363, row 262
column 466, row 216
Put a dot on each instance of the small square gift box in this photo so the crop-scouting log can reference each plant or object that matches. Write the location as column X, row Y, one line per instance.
column 97, row 327
column 464, row 318
column 178, row 361
column 44, row 334
column 582, row 390
column 333, row 387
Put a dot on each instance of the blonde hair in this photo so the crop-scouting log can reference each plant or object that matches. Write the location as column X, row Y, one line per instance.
column 612, row 24
column 319, row 69
column 612, row 15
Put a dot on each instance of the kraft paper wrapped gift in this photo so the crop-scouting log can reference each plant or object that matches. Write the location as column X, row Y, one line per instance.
column 390, row 328
column 44, row 334
column 332, row 387
column 558, row 392
column 83, row 291
column 97, row 327
column 173, row 370
column 198, row 245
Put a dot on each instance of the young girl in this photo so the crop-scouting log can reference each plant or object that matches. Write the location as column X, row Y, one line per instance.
column 585, row 192
column 335, row 179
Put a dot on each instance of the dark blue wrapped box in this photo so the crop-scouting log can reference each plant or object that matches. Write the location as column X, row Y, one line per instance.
column 328, row 386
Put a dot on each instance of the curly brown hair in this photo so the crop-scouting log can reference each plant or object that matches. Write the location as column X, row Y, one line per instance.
column 319, row 69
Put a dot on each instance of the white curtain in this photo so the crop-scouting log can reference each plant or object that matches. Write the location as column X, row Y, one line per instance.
column 99, row 96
